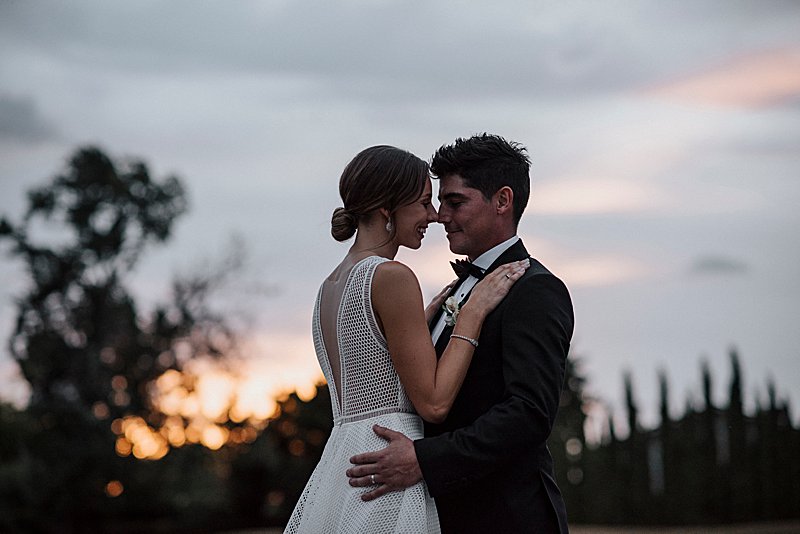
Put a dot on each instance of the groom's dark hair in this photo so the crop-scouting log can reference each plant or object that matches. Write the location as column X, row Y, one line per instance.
column 487, row 162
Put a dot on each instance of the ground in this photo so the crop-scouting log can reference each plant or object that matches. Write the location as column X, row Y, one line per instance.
column 791, row 527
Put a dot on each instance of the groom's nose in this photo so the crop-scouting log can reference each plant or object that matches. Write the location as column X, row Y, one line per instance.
column 443, row 216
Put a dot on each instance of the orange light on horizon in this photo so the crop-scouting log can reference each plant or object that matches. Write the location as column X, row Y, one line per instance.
column 135, row 436
column 206, row 395
column 214, row 437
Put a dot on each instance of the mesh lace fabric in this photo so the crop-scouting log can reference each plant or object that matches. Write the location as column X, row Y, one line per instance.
column 371, row 393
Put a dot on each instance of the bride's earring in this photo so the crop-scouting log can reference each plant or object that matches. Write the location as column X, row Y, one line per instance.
column 389, row 226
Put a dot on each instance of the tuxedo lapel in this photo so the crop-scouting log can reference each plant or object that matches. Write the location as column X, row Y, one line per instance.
column 515, row 252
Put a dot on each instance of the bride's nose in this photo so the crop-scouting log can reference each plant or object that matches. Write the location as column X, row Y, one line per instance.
column 432, row 215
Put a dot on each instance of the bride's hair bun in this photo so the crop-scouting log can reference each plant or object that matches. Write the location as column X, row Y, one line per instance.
column 343, row 224
column 381, row 176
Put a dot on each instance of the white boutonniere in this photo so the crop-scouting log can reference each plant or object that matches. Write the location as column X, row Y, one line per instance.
column 451, row 308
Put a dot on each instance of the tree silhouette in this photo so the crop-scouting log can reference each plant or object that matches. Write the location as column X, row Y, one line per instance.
column 89, row 355
column 76, row 327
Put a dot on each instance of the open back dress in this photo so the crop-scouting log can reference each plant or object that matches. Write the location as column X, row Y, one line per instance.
column 365, row 390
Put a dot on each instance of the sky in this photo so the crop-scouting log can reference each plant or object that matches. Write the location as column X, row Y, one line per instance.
column 663, row 138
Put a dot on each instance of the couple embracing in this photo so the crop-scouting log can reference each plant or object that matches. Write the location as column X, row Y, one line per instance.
column 441, row 413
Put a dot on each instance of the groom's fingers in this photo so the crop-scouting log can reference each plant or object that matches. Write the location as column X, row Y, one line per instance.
column 365, row 462
column 361, row 481
column 365, row 458
column 386, row 433
column 377, row 492
column 392, row 468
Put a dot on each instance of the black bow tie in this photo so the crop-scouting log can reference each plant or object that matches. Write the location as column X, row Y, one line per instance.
column 464, row 268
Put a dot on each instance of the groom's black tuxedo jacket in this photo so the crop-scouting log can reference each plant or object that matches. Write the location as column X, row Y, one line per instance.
column 487, row 465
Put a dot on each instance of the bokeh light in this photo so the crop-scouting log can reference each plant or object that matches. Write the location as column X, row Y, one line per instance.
column 114, row 488
column 212, row 403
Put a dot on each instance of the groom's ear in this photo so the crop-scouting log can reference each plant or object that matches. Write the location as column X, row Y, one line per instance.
column 504, row 200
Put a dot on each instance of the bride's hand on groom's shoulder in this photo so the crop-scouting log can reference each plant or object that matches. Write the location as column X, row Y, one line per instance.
column 490, row 291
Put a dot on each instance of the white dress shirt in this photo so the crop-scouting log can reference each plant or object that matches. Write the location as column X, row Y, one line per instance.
column 484, row 261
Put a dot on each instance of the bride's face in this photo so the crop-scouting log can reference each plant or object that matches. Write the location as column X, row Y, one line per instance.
column 412, row 220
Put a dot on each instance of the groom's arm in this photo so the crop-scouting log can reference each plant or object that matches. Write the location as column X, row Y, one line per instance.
column 536, row 330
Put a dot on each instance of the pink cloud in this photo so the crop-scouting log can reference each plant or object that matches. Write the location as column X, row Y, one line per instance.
column 758, row 80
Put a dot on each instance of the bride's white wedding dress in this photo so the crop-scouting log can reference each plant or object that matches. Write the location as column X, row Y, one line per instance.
column 369, row 392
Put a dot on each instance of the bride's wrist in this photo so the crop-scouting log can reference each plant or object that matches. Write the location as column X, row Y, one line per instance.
column 473, row 310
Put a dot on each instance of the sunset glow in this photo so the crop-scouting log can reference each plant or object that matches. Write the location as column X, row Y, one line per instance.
column 202, row 401
column 755, row 80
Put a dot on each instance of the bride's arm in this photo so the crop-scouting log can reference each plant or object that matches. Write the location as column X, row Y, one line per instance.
column 431, row 385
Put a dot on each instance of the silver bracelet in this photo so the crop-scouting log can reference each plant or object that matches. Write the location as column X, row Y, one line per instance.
column 473, row 342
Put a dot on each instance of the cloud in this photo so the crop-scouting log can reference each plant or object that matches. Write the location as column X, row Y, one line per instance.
column 718, row 265
column 596, row 196
column 387, row 51
column 765, row 79
column 602, row 270
column 20, row 121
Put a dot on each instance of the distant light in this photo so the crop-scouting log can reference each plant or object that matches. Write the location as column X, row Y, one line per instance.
column 114, row 488
column 287, row 428
column 165, row 359
column 575, row 476
column 119, row 383
column 275, row 498
column 214, row 437
column 297, row 447
column 169, row 380
column 100, row 410
column 121, row 398
column 117, row 426
column 123, row 447
column 108, row 356
column 574, row 447
column 193, row 434
column 306, row 392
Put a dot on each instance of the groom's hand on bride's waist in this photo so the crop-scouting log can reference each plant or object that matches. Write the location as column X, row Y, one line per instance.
column 392, row 468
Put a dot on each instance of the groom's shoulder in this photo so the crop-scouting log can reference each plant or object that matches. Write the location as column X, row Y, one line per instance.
column 539, row 276
column 537, row 268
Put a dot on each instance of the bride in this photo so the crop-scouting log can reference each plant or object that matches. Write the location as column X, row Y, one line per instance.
column 373, row 344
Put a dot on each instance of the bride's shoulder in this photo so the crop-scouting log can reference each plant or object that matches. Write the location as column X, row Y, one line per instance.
column 394, row 272
column 395, row 287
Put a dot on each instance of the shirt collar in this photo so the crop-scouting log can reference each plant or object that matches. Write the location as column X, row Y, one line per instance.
column 485, row 260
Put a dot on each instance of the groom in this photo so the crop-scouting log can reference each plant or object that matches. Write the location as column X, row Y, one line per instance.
column 487, row 465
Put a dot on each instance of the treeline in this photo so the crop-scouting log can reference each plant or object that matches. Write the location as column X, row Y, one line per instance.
column 712, row 465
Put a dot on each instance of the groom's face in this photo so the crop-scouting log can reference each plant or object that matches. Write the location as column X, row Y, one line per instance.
column 469, row 219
